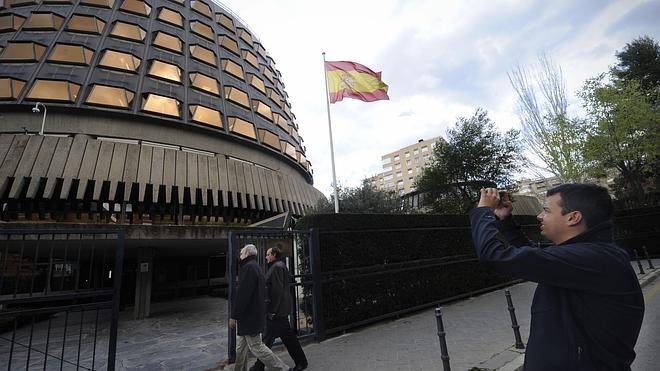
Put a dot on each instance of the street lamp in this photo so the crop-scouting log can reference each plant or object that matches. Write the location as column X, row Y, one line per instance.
column 35, row 109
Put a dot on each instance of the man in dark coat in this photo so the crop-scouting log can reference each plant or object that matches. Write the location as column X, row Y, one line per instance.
column 588, row 306
column 248, row 312
column 278, row 301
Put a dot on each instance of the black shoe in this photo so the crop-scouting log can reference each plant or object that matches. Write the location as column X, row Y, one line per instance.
column 299, row 367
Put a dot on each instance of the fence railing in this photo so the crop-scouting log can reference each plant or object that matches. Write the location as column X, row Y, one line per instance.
column 59, row 298
column 372, row 274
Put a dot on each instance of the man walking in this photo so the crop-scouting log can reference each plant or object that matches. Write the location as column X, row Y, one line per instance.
column 248, row 312
column 588, row 306
column 278, row 301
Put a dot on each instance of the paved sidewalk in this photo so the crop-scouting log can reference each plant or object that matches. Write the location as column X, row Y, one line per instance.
column 516, row 363
column 191, row 334
column 477, row 329
column 479, row 335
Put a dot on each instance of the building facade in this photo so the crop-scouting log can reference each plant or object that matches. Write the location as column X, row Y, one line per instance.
column 168, row 118
column 401, row 167
column 172, row 107
column 539, row 186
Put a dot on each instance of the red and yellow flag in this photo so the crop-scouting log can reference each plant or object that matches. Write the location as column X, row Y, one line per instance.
column 353, row 80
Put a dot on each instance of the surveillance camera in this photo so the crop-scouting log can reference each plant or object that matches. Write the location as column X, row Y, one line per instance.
column 35, row 110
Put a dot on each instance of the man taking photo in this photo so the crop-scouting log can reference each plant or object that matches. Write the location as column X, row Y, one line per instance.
column 588, row 306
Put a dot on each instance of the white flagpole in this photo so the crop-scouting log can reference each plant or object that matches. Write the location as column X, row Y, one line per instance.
column 332, row 150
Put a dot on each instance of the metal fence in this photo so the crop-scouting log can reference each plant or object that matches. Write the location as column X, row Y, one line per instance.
column 300, row 249
column 59, row 298
column 369, row 275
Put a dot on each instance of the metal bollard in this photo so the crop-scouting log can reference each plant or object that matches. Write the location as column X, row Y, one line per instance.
column 443, row 343
column 514, row 321
column 646, row 253
column 639, row 263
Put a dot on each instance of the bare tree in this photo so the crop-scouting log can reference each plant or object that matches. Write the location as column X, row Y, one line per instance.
column 547, row 130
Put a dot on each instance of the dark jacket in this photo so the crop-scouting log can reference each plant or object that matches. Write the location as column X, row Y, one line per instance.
column 278, row 289
column 588, row 306
column 249, row 305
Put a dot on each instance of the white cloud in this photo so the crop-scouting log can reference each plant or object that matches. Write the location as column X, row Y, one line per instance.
column 441, row 59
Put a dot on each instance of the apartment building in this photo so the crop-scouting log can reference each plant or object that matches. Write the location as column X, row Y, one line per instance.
column 539, row 186
column 401, row 167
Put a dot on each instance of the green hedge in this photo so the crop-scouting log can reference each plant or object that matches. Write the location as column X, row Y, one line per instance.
column 374, row 265
column 362, row 240
column 358, row 222
column 379, row 265
column 639, row 227
column 359, row 299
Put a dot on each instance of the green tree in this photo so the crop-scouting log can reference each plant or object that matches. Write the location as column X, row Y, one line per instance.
column 624, row 134
column 640, row 61
column 365, row 198
column 547, row 131
column 475, row 155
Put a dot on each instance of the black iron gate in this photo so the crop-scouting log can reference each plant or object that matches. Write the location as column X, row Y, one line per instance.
column 302, row 256
column 59, row 298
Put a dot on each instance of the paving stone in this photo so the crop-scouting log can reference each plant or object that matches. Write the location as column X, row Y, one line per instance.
column 191, row 334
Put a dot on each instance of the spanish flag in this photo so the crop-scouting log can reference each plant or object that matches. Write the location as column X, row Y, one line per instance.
column 353, row 80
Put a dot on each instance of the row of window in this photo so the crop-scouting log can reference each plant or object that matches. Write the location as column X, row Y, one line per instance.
column 163, row 40
column 45, row 21
column 63, row 91
column 388, row 160
column 77, row 54
column 133, row 32
column 418, row 160
column 129, row 31
column 165, row 14
column 103, row 95
column 32, row 52
column 399, row 174
column 134, row 6
column 80, row 55
column 386, row 177
column 415, row 153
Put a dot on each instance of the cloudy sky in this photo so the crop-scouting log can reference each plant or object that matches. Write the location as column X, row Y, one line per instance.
column 441, row 59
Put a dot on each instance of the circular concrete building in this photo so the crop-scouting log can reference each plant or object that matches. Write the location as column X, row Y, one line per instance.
column 143, row 112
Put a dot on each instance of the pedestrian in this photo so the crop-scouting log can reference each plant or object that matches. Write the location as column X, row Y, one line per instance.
column 248, row 313
column 588, row 306
column 278, row 299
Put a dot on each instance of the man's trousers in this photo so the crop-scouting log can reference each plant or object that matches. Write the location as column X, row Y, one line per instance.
column 262, row 352
column 279, row 327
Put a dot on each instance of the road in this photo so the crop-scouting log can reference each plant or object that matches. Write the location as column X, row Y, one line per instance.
column 648, row 344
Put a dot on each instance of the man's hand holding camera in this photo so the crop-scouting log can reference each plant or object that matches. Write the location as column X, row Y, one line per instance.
column 496, row 200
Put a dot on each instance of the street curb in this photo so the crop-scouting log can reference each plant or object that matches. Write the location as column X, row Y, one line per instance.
column 517, row 364
column 649, row 277
column 511, row 359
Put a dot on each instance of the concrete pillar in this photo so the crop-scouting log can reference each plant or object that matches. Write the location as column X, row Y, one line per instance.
column 143, row 282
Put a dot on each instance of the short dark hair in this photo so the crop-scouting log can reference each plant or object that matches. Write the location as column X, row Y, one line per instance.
column 593, row 201
column 276, row 251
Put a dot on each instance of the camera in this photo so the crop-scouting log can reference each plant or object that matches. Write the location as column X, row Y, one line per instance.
column 502, row 195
